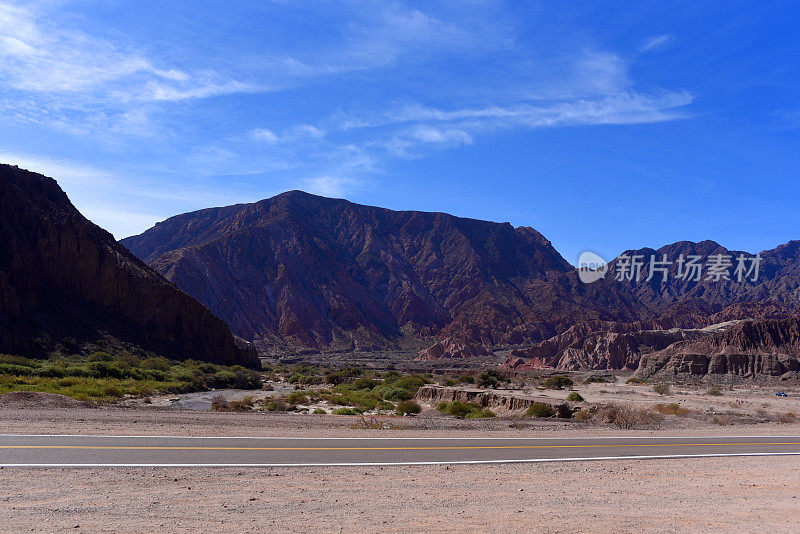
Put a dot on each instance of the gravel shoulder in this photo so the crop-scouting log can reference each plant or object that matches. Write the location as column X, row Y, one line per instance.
column 710, row 495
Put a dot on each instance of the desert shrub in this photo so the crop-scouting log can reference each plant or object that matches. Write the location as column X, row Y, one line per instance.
column 408, row 408
column 276, row 405
column 466, row 379
column 385, row 405
column 626, row 417
column 557, row 382
column 595, row 380
column 395, row 394
column 345, row 411
column 788, row 417
column 489, row 378
column 340, row 376
column 399, row 388
column 219, row 404
column 539, row 409
column 460, row 409
column 155, row 363
column 297, row 397
column 574, row 396
column 673, row 408
column 449, row 382
column 100, row 356
column 241, row 405
column 715, row 391
column 364, row 399
column 582, row 415
column 318, row 411
column 634, row 380
column 662, row 389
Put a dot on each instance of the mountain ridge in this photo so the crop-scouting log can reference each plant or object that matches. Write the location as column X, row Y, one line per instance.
column 63, row 277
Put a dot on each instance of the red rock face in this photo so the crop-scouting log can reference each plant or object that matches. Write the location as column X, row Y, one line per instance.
column 748, row 349
column 63, row 277
column 308, row 271
column 452, row 348
column 597, row 346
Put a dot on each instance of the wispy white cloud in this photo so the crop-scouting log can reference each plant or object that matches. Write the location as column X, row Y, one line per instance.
column 329, row 186
column 295, row 133
column 655, row 42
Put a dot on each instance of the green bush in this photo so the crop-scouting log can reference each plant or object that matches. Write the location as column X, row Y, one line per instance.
column 462, row 409
column 318, row 411
column 276, row 405
column 539, row 409
column 574, row 397
column 408, row 408
column 557, row 382
column 634, row 380
column 595, row 380
column 715, row 391
column 489, row 378
column 297, row 397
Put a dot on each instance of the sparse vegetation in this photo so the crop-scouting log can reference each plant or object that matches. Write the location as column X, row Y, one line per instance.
column 673, row 408
column 319, row 411
column 574, row 396
column 408, row 408
column 539, row 409
column 788, row 417
column 557, row 382
column 466, row 410
column 594, row 379
column 582, row 415
column 489, row 378
column 715, row 391
column 297, row 397
column 626, row 416
column 276, row 405
column 634, row 380
column 103, row 377
column 662, row 389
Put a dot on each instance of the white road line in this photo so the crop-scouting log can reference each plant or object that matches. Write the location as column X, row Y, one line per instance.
column 389, row 437
column 366, row 464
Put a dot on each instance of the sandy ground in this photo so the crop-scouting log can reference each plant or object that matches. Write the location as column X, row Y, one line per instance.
column 709, row 495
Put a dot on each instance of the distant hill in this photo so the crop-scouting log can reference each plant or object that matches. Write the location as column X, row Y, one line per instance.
column 307, row 271
column 65, row 281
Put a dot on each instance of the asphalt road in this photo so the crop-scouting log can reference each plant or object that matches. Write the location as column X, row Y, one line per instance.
column 20, row 450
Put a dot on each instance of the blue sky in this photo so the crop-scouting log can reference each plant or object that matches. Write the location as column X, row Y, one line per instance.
column 604, row 125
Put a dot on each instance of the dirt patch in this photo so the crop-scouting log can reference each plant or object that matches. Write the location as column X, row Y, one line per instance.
column 32, row 399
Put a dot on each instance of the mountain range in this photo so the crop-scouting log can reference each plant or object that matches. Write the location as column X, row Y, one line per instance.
column 299, row 271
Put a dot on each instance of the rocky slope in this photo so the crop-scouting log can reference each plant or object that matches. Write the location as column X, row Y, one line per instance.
column 777, row 284
column 452, row 348
column 597, row 346
column 750, row 349
column 433, row 395
column 65, row 281
column 300, row 270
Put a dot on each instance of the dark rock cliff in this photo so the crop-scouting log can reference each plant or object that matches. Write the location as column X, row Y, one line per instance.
column 62, row 277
